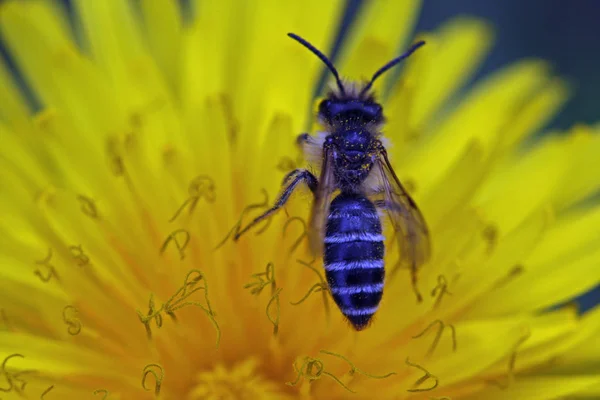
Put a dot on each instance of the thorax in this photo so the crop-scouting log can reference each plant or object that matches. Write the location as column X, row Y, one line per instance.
column 353, row 155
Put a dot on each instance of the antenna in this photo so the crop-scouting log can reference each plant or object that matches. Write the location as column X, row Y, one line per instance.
column 389, row 65
column 322, row 57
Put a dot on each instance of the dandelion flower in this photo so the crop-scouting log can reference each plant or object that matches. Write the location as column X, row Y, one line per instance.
column 150, row 137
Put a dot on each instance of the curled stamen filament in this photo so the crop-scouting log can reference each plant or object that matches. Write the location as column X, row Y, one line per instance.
column 105, row 392
column 236, row 231
column 178, row 301
column 158, row 380
column 438, row 335
column 354, row 368
column 512, row 362
column 311, row 370
column 301, row 237
column 317, row 287
column 262, row 280
column 274, row 320
column 426, row 375
column 324, row 287
column 442, row 287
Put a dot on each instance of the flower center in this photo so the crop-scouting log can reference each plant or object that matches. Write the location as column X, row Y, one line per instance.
column 241, row 381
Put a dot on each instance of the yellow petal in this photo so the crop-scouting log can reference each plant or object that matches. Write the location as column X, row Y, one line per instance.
column 534, row 112
column 472, row 338
column 539, row 388
column 47, row 56
column 489, row 105
column 582, row 146
column 60, row 358
column 521, row 185
column 573, row 235
column 114, row 38
column 582, row 356
column 163, row 28
column 479, row 273
column 543, row 286
column 457, row 187
column 459, row 49
column 382, row 30
column 547, row 336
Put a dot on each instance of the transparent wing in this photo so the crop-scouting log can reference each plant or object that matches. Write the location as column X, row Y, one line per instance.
column 410, row 229
column 320, row 207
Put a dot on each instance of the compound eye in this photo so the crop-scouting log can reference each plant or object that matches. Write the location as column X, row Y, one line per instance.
column 325, row 108
column 379, row 113
column 374, row 111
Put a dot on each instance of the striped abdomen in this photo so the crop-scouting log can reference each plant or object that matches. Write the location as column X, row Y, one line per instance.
column 354, row 257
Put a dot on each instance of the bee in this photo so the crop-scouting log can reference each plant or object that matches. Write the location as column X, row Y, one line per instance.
column 355, row 184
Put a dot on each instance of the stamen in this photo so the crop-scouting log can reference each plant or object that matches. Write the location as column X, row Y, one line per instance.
column 286, row 164
column 88, row 206
column 200, row 186
column 442, row 287
column 230, row 120
column 237, row 227
column 322, row 286
column 180, row 246
column 438, row 335
column 136, row 118
column 510, row 378
column 512, row 274
column 410, row 185
column 5, row 321
column 115, row 158
column 51, row 271
column 427, row 375
column 152, row 313
column 174, row 304
column 263, row 279
column 274, row 320
column 78, row 254
column 46, row 392
column 490, row 235
column 301, row 237
column 158, row 380
column 73, row 321
column 354, row 368
column 312, row 369
column 317, row 287
column 104, row 392
column 12, row 377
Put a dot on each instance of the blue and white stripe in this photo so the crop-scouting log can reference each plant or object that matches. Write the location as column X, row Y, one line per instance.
column 368, row 288
column 354, row 213
column 354, row 237
column 351, row 311
column 354, row 265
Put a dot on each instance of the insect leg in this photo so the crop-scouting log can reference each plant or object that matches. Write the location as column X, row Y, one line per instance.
column 393, row 207
column 290, row 182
